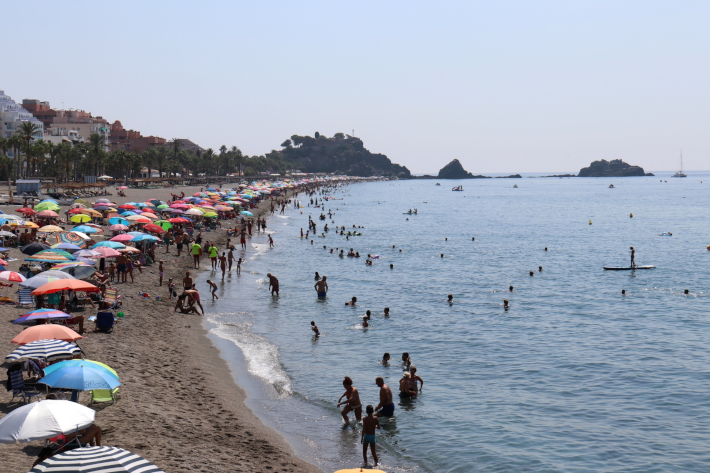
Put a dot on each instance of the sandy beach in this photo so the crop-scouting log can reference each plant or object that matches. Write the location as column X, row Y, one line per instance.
column 179, row 405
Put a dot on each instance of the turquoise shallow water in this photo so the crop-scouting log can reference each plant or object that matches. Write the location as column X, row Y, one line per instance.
column 573, row 377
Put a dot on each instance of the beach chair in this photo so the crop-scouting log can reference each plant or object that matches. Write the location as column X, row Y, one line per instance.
column 25, row 298
column 105, row 321
column 104, row 395
column 19, row 389
column 111, row 296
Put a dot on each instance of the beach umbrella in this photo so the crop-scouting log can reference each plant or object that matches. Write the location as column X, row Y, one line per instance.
column 98, row 228
column 144, row 238
column 153, row 228
column 118, row 228
column 149, row 215
column 103, row 208
column 51, row 229
column 118, row 221
column 3, row 233
column 197, row 212
column 164, row 224
column 96, row 459
column 84, row 236
column 178, row 220
column 70, row 264
column 33, row 248
column 49, row 200
column 163, row 206
column 211, row 215
column 87, row 253
column 91, row 212
column 51, row 256
column 43, row 278
column 81, row 218
column 81, row 377
column 179, row 206
column 142, row 220
column 92, row 364
column 46, row 206
column 104, row 177
column 111, row 244
column 123, row 237
column 247, row 213
column 127, row 206
column 129, row 249
column 127, row 213
column 46, row 332
column 63, row 285
column 11, row 276
column 26, row 211
column 106, row 252
column 72, row 238
column 78, row 271
column 102, row 201
column 135, row 217
column 68, row 247
column 176, row 211
column 76, row 211
column 123, row 187
column 85, row 229
column 43, row 420
column 47, row 349
column 41, row 314
column 79, row 204
column 47, row 214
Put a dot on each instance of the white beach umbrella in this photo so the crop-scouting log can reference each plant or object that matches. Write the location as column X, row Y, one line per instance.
column 43, row 278
column 44, row 419
column 98, row 460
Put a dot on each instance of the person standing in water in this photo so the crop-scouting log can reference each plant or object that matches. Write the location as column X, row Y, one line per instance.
column 352, row 401
column 367, row 437
column 321, row 288
column 386, row 406
column 633, row 253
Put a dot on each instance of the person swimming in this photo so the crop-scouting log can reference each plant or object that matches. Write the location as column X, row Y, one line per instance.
column 353, row 302
column 451, row 299
column 385, row 359
column 505, row 303
column 364, row 321
column 387, row 312
column 510, row 289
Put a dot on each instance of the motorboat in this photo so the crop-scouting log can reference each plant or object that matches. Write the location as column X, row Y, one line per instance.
column 458, row 188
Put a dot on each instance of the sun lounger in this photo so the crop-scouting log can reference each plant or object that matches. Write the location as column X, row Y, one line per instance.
column 104, row 395
column 25, row 298
column 111, row 296
column 19, row 389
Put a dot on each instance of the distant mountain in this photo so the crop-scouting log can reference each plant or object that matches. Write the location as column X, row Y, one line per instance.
column 614, row 168
column 342, row 154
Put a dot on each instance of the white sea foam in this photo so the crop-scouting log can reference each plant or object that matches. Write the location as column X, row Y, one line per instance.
column 262, row 357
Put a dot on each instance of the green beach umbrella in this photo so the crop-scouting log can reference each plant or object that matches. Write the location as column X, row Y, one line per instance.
column 210, row 214
column 163, row 206
column 164, row 224
column 46, row 206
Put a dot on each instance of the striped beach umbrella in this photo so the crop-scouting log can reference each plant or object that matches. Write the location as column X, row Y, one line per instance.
column 47, row 349
column 11, row 276
column 44, row 277
column 51, row 256
column 73, row 238
column 96, row 459
column 41, row 314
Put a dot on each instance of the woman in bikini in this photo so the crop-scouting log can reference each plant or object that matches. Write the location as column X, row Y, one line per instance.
column 352, row 401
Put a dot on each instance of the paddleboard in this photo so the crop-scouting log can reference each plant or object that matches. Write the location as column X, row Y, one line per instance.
column 618, row 268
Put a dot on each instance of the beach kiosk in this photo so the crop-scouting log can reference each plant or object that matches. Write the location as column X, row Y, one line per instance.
column 28, row 186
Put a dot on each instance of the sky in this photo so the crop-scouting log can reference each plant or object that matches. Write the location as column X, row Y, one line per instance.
column 503, row 86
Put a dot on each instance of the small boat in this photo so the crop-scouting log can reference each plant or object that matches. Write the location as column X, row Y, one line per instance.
column 458, row 188
column 611, row 186
column 515, row 186
column 438, row 184
column 680, row 173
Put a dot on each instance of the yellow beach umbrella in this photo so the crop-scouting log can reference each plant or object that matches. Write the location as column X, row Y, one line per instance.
column 51, row 229
column 92, row 212
column 80, row 218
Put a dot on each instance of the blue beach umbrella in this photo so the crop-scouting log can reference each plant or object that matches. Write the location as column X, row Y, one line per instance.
column 81, row 377
column 111, row 244
column 144, row 238
column 118, row 221
column 85, row 229
column 91, row 364
column 128, row 213
column 68, row 247
column 50, row 200
column 247, row 213
column 41, row 314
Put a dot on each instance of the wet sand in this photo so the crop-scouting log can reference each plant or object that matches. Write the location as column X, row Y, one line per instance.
column 179, row 406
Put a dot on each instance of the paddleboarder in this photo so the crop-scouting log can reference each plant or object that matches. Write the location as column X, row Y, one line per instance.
column 633, row 253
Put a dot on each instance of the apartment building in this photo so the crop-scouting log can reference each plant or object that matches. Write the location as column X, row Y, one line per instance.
column 12, row 115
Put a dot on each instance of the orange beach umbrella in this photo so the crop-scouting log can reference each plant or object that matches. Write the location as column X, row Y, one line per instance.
column 46, row 332
column 63, row 285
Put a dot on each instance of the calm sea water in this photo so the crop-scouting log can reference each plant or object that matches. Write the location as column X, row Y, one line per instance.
column 574, row 377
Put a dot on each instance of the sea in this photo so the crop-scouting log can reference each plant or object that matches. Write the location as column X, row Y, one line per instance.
column 572, row 377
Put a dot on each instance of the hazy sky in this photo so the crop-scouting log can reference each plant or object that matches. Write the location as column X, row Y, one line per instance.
column 504, row 86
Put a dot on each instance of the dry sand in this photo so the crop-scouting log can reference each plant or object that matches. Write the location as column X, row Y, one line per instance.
column 179, row 405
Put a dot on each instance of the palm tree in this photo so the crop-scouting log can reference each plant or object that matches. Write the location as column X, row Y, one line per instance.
column 96, row 142
column 66, row 158
column 27, row 130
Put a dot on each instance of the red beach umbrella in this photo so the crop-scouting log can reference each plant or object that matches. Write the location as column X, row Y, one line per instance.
column 26, row 211
column 127, row 206
column 153, row 228
column 178, row 220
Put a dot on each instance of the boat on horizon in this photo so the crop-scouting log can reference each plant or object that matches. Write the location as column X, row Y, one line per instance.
column 680, row 173
column 457, row 188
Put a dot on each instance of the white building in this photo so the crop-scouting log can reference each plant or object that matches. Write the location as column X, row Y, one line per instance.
column 83, row 124
column 12, row 115
column 58, row 135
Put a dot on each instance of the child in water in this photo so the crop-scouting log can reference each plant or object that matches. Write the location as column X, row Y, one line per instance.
column 314, row 327
column 369, row 424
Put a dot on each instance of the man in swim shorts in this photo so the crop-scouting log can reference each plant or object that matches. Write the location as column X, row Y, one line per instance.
column 367, row 437
column 386, row 406
column 352, row 401
column 321, row 288
column 273, row 284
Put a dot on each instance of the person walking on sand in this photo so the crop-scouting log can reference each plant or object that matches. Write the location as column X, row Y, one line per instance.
column 352, row 401
column 213, row 289
column 160, row 272
column 321, row 288
column 273, row 284
column 367, row 437
column 213, row 253
column 196, row 252
column 223, row 263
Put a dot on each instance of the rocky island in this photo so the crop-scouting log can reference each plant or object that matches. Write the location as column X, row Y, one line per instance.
column 454, row 170
column 613, row 168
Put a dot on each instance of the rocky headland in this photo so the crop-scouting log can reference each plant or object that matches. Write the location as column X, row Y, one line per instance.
column 613, row 168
